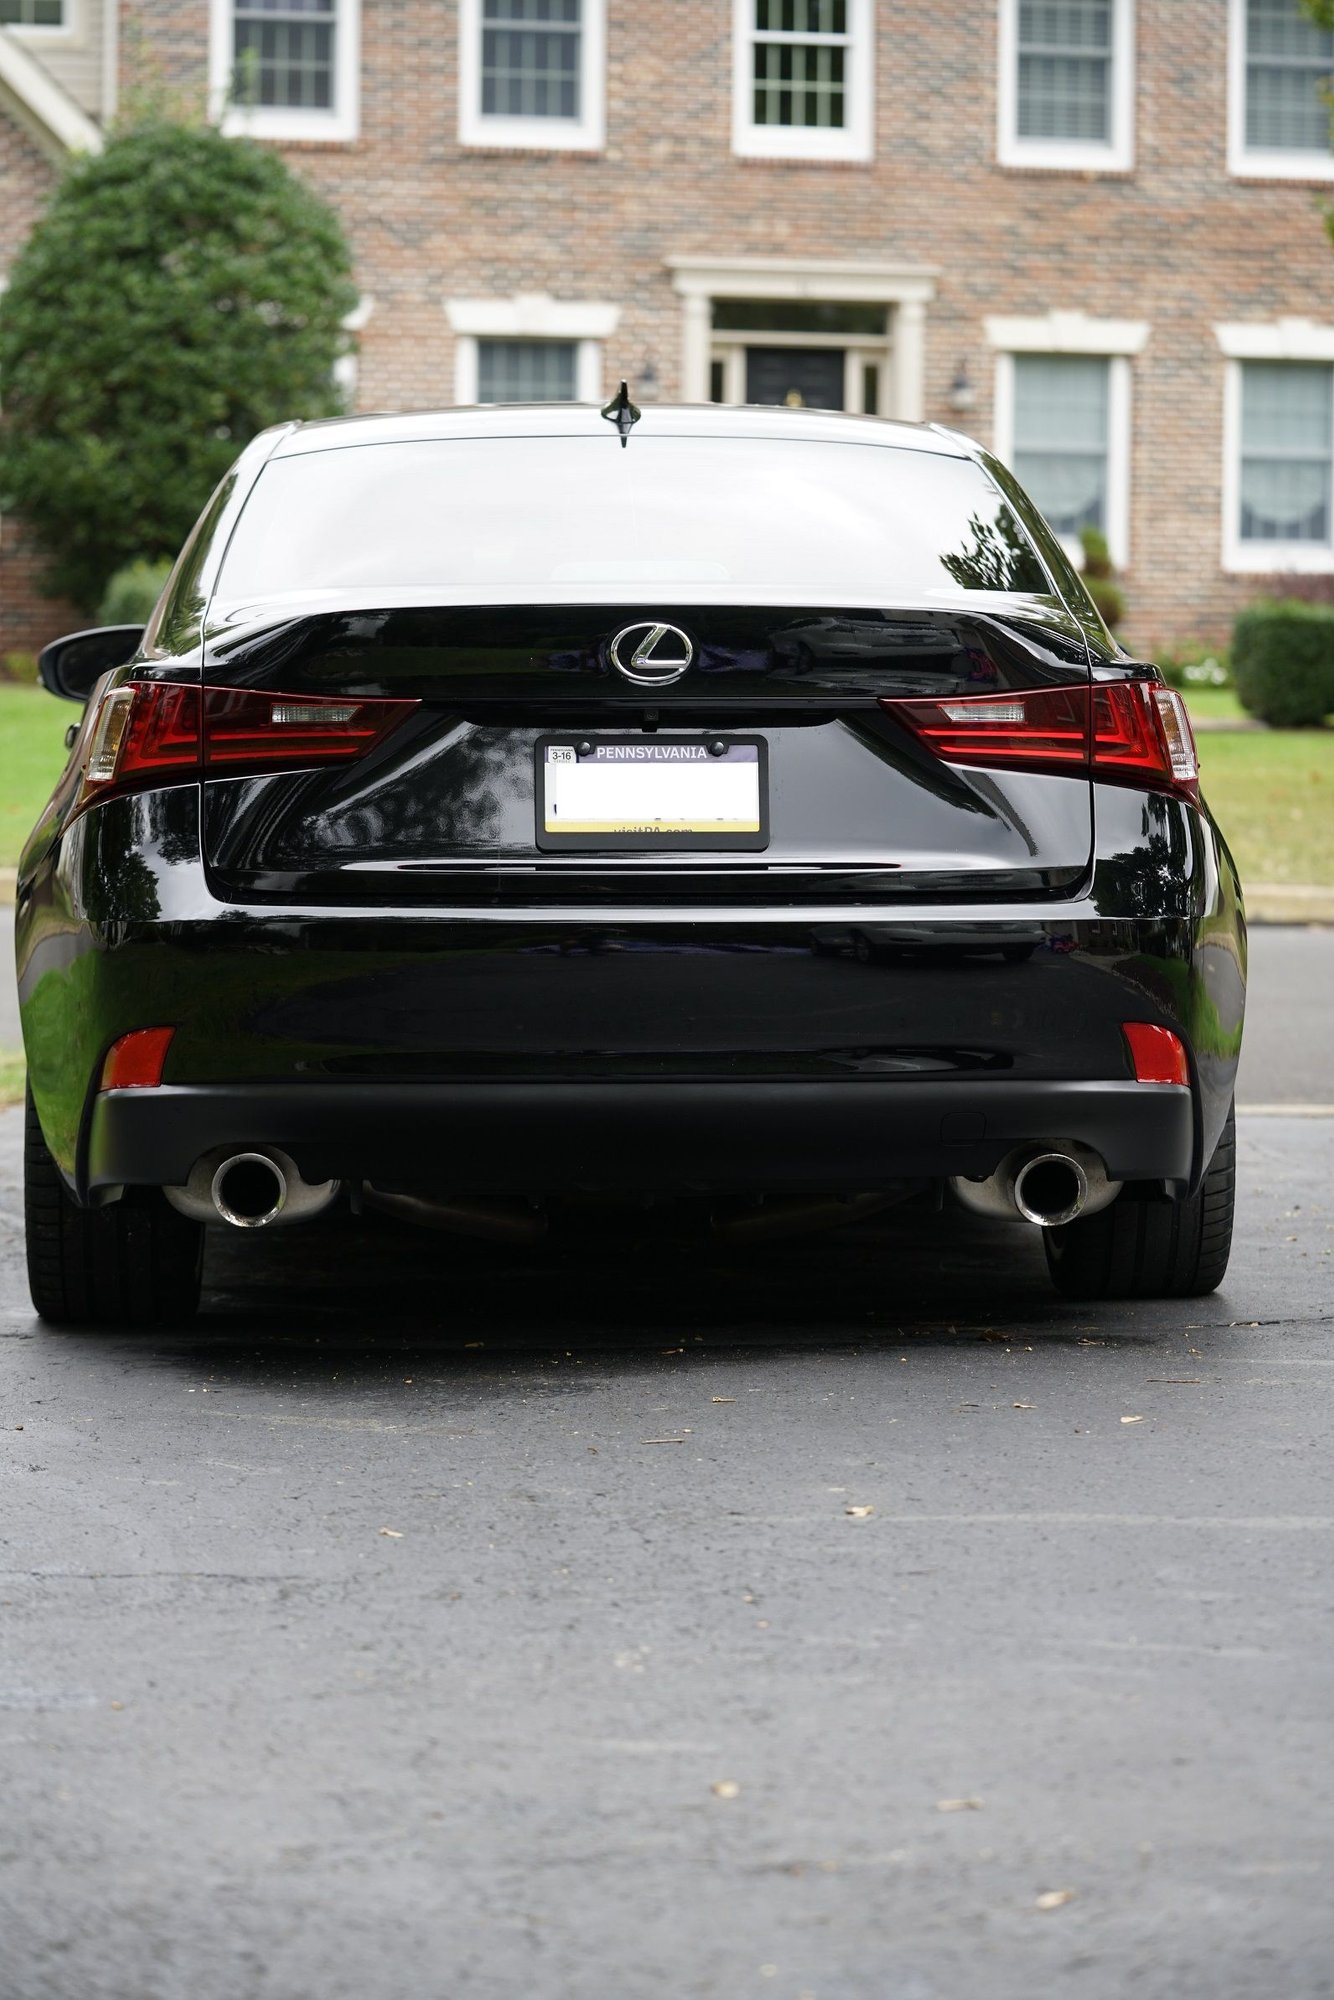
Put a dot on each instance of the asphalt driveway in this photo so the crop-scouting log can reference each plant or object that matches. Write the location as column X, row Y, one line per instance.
column 626, row 1619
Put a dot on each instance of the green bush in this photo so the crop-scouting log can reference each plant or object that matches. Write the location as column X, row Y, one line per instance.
column 18, row 667
column 1100, row 578
column 1283, row 662
column 180, row 292
column 132, row 593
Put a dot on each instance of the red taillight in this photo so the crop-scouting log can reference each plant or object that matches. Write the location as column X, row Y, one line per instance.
column 1156, row 1054
column 135, row 1061
column 141, row 729
column 146, row 730
column 1136, row 731
column 1142, row 730
column 243, row 726
column 1030, row 726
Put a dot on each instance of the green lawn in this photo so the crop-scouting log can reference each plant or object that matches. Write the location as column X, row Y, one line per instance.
column 1272, row 792
column 1213, row 705
column 32, row 756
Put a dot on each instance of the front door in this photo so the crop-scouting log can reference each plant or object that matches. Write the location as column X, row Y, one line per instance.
column 809, row 377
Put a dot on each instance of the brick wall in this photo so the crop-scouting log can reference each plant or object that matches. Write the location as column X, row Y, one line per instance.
column 1175, row 242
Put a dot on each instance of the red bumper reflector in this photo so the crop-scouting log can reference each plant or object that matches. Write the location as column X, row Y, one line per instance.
column 135, row 1061
column 1157, row 1054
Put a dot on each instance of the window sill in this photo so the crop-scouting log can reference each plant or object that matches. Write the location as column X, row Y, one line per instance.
column 802, row 149
column 67, row 36
column 530, row 135
column 1299, row 168
column 311, row 128
column 1108, row 160
column 1278, row 559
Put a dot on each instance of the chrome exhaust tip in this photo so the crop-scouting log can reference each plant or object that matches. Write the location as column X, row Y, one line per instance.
column 1050, row 1188
column 1047, row 1185
column 249, row 1190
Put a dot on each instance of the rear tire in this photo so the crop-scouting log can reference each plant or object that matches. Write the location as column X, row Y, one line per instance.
column 1151, row 1249
column 135, row 1262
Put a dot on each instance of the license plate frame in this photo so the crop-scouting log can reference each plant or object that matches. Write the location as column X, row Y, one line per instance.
column 750, row 838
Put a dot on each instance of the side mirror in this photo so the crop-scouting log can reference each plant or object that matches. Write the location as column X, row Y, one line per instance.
column 73, row 666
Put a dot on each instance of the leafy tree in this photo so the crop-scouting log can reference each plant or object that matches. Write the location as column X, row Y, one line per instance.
column 181, row 291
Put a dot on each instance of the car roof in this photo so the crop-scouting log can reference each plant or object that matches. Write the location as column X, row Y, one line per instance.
column 565, row 420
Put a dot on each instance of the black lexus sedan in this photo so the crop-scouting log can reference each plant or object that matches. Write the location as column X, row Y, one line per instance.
column 506, row 810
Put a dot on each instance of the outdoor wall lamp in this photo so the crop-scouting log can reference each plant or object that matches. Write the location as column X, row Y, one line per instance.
column 963, row 396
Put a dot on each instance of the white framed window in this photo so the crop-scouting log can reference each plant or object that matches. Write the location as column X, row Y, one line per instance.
column 532, row 73
column 803, row 79
column 1279, row 64
column 1278, row 446
column 286, row 69
column 1066, row 96
column 1063, row 419
column 527, row 371
column 530, row 349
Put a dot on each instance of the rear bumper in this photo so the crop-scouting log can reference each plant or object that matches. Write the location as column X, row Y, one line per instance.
column 656, row 1136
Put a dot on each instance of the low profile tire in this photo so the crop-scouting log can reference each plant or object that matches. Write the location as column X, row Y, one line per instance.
column 1151, row 1249
column 133, row 1263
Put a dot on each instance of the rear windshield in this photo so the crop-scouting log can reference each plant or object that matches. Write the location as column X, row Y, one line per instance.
column 845, row 522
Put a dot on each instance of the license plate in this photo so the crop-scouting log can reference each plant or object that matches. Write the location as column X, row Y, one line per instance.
column 646, row 793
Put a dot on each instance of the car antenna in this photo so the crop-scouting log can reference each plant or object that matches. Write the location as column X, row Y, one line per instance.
column 622, row 412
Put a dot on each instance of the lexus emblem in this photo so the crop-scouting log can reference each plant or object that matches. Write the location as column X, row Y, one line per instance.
column 651, row 656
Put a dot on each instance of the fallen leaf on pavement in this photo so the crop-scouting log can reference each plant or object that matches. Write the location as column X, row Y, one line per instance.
column 725, row 1788
column 958, row 1805
column 859, row 1513
column 1052, row 1899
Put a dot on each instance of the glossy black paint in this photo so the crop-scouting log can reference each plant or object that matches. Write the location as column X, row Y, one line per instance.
column 934, row 961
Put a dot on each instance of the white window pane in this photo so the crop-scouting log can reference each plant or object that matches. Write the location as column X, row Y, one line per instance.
column 1065, row 69
column 1286, row 407
column 1287, row 439
column 801, row 17
column 1283, row 501
column 1060, row 436
column 795, row 82
column 531, row 52
column 285, row 53
column 32, row 13
column 1060, row 400
column 1288, row 62
column 526, row 371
